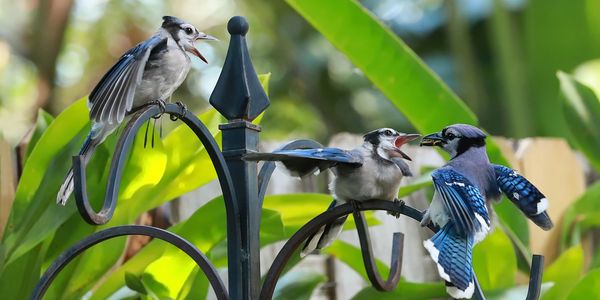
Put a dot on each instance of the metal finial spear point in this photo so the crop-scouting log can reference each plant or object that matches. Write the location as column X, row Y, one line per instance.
column 238, row 25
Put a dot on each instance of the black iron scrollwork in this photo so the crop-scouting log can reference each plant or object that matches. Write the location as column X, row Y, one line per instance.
column 329, row 216
column 240, row 97
column 100, row 236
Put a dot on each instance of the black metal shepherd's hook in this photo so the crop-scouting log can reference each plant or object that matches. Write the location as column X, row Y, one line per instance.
column 98, row 237
column 122, row 150
column 329, row 216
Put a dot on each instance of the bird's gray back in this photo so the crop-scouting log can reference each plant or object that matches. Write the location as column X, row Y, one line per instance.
column 375, row 179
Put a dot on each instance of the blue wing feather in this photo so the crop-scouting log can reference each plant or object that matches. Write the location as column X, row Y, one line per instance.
column 113, row 95
column 462, row 200
column 524, row 195
column 302, row 162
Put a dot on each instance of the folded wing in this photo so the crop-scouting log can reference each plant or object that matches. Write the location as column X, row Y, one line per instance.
column 301, row 162
column 463, row 202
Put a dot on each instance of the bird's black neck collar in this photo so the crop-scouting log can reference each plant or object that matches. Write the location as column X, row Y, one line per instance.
column 465, row 144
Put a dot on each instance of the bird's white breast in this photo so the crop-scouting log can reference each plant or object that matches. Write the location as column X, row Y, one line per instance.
column 374, row 180
column 162, row 77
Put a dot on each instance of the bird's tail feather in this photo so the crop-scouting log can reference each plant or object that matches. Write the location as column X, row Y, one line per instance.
column 89, row 145
column 542, row 220
column 326, row 234
column 452, row 254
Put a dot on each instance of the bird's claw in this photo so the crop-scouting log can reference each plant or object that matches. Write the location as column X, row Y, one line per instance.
column 355, row 205
column 396, row 214
column 426, row 219
column 162, row 106
column 183, row 108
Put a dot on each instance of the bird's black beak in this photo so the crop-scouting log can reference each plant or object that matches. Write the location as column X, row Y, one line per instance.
column 403, row 139
column 434, row 139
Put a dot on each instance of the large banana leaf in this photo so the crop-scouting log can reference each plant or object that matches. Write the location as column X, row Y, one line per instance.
column 582, row 112
column 564, row 272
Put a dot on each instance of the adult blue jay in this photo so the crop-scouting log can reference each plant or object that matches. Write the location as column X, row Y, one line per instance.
column 459, row 207
column 370, row 171
column 149, row 72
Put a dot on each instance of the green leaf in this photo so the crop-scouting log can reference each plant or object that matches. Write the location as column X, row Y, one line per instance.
column 405, row 291
column 41, row 124
column 388, row 62
column 582, row 112
column 564, row 272
column 352, row 257
column 494, row 261
column 516, row 292
column 587, row 288
column 133, row 282
column 586, row 207
column 415, row 185
column 297, row 285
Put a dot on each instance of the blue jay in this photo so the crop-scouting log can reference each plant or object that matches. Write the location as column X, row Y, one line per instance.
column 148, row 73
column 459, row 207
column 370, row 171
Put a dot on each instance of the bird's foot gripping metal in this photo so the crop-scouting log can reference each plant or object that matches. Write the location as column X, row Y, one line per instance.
column 396, row 214
column 184, row 110
column 355, row 205
column 162, row 106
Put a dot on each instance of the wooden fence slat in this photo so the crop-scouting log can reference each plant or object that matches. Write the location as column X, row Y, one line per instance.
column 7, row 182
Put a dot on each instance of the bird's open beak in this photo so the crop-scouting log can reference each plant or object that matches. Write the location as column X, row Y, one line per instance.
column 434, row 139
column 403, row 139
column 195, row 51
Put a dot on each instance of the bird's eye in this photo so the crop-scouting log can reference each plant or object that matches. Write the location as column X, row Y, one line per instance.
column 388, row 132
column 450, row 135
column 188, row 30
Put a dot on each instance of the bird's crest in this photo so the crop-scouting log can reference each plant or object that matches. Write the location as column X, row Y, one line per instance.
column 468, row 131
column 169, row 21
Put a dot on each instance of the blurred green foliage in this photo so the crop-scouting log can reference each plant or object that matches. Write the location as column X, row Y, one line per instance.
column 501, row 57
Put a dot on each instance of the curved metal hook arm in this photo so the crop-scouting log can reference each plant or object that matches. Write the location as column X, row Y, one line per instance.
column 98, row 237
column 329, row 216
column 369, row 260
column 266, row 171
column 119, row 159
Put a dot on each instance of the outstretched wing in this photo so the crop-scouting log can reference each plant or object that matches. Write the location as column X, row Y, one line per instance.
column 302, row 162
column 463, row 202
column 113, row 96
column 524, row 195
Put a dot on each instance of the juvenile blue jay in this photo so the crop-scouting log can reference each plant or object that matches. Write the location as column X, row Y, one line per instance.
column 370, row 171
column 463, row 188
column 149, row 72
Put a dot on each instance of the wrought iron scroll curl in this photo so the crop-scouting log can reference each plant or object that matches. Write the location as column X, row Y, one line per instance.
column 100, row 236
column 396, row 207
column 105, row 214
column 119, row 158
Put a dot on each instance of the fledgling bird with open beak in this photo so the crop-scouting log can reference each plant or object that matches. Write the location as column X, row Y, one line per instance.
column 463, row 188
column 148, row 73
column 370, row 171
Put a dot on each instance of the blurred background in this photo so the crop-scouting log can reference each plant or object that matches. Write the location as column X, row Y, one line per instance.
column 499, row 56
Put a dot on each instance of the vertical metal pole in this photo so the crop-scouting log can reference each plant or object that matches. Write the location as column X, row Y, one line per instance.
column 239, row 137
column 239, row 97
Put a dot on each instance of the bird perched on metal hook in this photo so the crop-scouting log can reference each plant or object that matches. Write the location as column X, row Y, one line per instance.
column 460, row 205
column 148, row 73
column 372, row 170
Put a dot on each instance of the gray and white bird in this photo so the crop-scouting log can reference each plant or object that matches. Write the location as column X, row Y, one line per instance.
column 372, row 170
column 460, row 206
column 149, row 72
